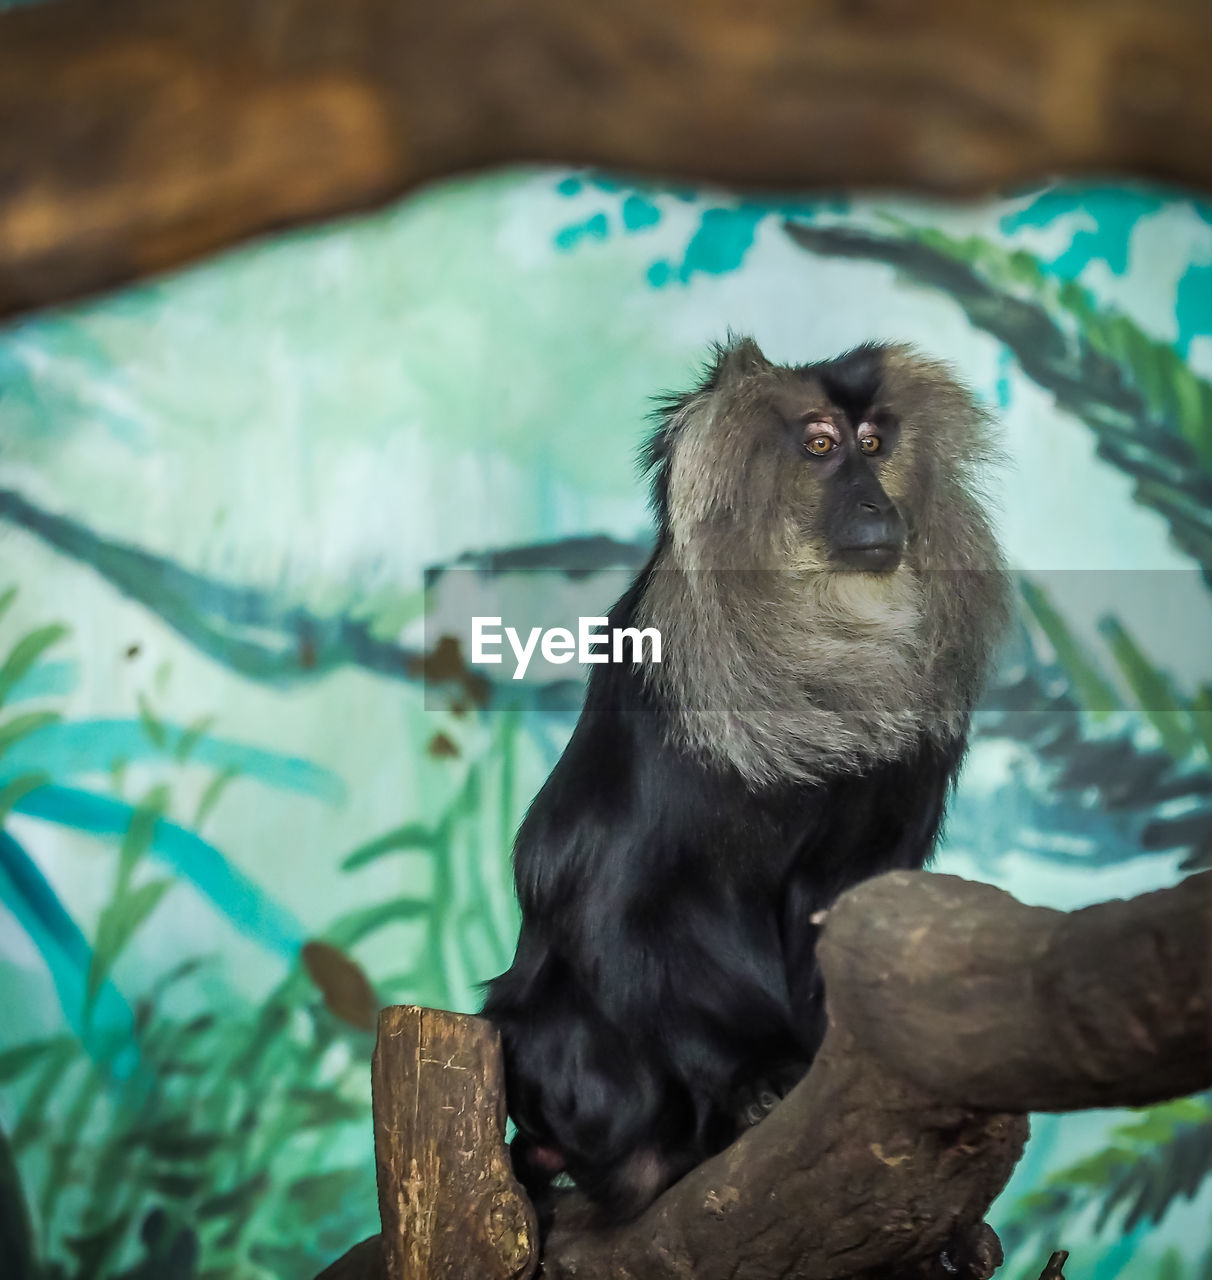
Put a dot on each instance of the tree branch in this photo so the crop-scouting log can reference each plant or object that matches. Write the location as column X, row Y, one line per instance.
column 953, row 1009
column 989, row 1003
column 137, row 134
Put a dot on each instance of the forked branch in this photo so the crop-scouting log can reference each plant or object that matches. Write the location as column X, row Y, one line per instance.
column 953, row 1011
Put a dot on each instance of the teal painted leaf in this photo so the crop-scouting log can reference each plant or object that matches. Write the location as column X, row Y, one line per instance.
column 172, row 1140
column 1092, row 688
column 25, row 653
column 17, row 1061
column 191, row 736
column 151, row 723
column 18, row 727
column 65, row 1151
column 16, row 1228
column 1156, row 1124
column 141, row 832
column 31, row 1121
column 214, row 789
column 92, row 1248
column 1151, row 689
column 1201, row 716
column 17, row 789
column 318, row 1108
column 176, row 1185
column 76, row 747
column 315, row 1195
column 118, row 924
column 238, row 1198
column 356, row 925
column 412, row 835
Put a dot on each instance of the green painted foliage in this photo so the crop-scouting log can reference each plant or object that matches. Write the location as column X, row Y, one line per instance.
column 1173, row 392
column 1179, row 720
column 1153, row 1162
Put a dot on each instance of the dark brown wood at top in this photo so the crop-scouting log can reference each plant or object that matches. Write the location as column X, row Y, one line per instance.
column 136, row 135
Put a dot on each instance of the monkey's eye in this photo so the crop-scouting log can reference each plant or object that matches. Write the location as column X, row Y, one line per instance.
column 870, row 444
column 820, row 445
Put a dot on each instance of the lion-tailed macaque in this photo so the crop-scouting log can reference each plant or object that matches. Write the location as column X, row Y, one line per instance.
column 829, row 593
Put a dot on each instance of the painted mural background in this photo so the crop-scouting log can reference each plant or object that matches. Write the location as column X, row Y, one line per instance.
column 234, row 823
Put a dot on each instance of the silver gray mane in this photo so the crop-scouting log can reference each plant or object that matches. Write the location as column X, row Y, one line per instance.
column 785, row 669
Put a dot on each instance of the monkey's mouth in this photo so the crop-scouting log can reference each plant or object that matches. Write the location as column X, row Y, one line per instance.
column 871, row 557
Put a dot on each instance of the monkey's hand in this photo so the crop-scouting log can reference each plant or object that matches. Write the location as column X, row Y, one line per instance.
column 755, row 1099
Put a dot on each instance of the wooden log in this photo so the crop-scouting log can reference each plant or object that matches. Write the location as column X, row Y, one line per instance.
column 1054, row 1268
column 952, row 1010
column 980, row 999
column 137, row 134
column 448, row 1201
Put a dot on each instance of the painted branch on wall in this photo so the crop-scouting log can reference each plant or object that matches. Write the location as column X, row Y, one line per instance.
column 138, row 134
column 953, row 1011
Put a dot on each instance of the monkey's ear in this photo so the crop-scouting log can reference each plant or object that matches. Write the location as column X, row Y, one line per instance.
column 736, row 357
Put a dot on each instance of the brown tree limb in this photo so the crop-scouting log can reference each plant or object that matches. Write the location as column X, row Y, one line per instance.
column 953, row 1009
column 989, row 1003
column 1055, row 1268
column 448, row 1200
column 137, row 134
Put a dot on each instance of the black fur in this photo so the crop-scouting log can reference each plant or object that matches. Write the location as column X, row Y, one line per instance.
column 851, row 381
column 665, row 966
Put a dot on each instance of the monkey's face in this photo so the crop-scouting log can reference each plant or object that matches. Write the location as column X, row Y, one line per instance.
column 849, row 464
column 841, row 459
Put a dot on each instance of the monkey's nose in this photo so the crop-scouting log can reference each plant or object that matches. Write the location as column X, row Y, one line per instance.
column 872, row 539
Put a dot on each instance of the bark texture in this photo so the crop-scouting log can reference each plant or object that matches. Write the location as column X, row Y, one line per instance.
column 953, row 1011
column 137, row 134
column 448, row 1200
